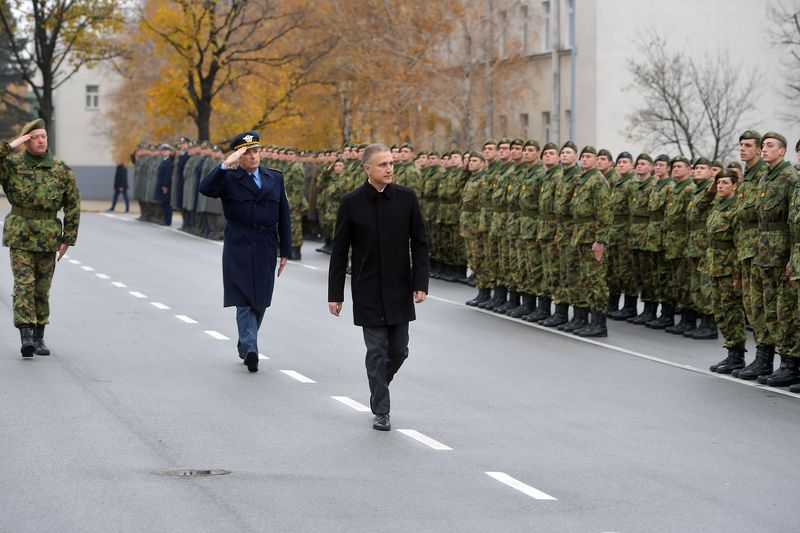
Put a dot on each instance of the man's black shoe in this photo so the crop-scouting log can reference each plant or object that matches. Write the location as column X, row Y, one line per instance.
column 27, row 347
column 251, row 360
column 381, row 423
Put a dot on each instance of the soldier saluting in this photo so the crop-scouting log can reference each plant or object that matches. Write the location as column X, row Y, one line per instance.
column 37, row 186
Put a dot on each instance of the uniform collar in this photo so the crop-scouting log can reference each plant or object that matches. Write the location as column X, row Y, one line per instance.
column 44, row 160
column 373, row 193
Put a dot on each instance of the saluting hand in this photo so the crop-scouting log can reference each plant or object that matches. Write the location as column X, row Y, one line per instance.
column 19, row 141
column 234, row 157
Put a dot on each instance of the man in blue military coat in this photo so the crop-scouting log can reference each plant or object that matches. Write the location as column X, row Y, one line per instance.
column 164, row 183
column 258, row 224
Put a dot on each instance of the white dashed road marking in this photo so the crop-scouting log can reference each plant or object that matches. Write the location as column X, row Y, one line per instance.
column 424, row 439
column 445, row 300
column 524, row 488
column 298, row 376
column 352, row 403
column 184, row 318
column 262, row 356
column 159, row 305
column 137, row 294
column 216, row 334
column 87, row 268
column 103, row 276
column 118, row 284
column 74, row 261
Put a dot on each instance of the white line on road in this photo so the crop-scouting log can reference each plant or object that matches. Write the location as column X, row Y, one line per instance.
column 424, row 439
column 445, row 300
column 74, row 261
column 117, row 217
column 137, row 294
column 118, row 284
column 184, row 318
column 103, row 276
column 352, row 403
column 298, row 376
column 310, row 267
column 524, row 488
column 216, row 334
column 262, row 356
column 159, row 305
column 87, row 268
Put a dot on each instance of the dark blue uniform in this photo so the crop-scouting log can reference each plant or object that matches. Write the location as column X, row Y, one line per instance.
column 164, row 179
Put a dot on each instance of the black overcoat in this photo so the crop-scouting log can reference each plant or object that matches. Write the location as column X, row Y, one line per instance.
column 258, row 224
column 164, row 179
column 121, row 178
column 380, row 228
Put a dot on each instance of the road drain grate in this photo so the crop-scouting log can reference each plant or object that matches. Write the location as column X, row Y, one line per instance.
column 191, row 472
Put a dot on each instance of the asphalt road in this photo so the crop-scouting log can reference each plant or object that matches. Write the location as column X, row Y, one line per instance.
column 512, row 427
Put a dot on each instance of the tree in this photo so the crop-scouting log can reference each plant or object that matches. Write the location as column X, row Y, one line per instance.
column 694, row 106
column 13, row 99
column 50, row 40
column 784, row 31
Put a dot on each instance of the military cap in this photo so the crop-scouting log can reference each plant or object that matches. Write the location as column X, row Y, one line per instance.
column 774, row 135
column 478, row 155
column 504, row 140
column 489, row 141
column 702, row 161
column 603, row 151
column 645, row 157
column 407, row 145
column 434, row 153
column 717, row 163
column 589, row 149
column 204, row 144
column 550, row 146
column 734, row 165
column 142, row 145
column 394, row 147
column 727, row 173
column 662, row 157
column 165, row 146
column 750, row 134
column 518, row 142
column 217, row 148
column 624, row 155
column 363, row 146
column 250, row 139
column 420, row 154
column 679, row 158
column 569, row 144
column 531, row 142
column 183, row 140
column 37, row 124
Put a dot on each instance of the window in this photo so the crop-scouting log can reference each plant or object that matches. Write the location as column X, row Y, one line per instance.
column 546, row 126
column 502, row 46
column 503, row 126
column 92, row 96
column 525, row 29
column 546, row 45
column 524, row 122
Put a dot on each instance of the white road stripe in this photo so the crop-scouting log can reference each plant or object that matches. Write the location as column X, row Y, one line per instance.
column 74, row 261
column 118, row 284
column 424, row 439
column 184, row 318
column 216, row 334
column 352, row 403
column 310, row 267
column 137, row 294
column 87, row 268
column 524, row 488
column 262, row 356
column 298, row 376
column 102, row 276
column 159, row 305
column 445, row 300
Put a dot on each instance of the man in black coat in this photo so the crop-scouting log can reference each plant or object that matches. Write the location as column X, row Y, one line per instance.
column 379, row 221
column 258, row 224
column 120, row 186
column 164, row 183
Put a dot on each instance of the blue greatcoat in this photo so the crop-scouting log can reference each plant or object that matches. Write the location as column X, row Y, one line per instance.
column 258, row 223
column 164, row 179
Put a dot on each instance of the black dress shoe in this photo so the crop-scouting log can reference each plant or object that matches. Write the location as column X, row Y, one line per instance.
column 381, row 423
column 251, row 360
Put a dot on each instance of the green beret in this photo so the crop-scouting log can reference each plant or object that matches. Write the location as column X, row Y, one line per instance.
column 589, row 149
column 625, row 155
column 645, row 157
column 679, row 158
column 702, row 161
column 734, row 165
column 407, row 145
column 750, row 134
column 478, row 155
column 394, row 147
column 603, row 151
column 489, row 141
column 420, row 154
column 717, row 163
column 531, row 142
column 728, row 173
column 550, row 146
column 433, row 153
column 37, row 124
column 569, row 144
column 362, row 146
column 504, row 140
column 776, row 136
column 662, row 157
column 518, row 142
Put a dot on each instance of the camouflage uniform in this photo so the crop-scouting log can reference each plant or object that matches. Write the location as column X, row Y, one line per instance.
column 485, row 222
column 568, row 263
column 37, row 187
column 500, row 217
column 654, row 238
column 618, row 252
column 676, row 238
column 295, row 180
column 449, row 209
column 469, row 227
column 548, row 226
column 515, row 252
column 696, row 216
column 532, row 269
column 641, row 260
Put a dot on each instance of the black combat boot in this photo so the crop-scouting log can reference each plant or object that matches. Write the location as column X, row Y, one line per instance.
column 494, row 300
column 613, row 303
column 583, row 321
column 645, row 316
column 501, row 293
column 296, row 256
column 528, row 306
column 761, row 365
column 790, row 375
column 628, row 309
column 511, row 303
column 558, row 318
column 446, row 272
column 666, row 320
column 28, row 347
column 597, row 328
column 706, row 331
column 483, row 295
column 734, row 361
column 580, row 318
column 688, row 323
column 38, row 341
column 542, row 311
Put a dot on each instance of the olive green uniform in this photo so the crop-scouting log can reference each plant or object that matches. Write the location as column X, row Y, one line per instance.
column 696, row 215
column 530, row 258
column 676, row 238
column 548, row 226
column 641, row 260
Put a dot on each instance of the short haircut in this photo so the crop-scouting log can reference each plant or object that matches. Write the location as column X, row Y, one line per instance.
column 373, row 149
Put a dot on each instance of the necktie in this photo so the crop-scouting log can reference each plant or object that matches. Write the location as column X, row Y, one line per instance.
column 256, row 180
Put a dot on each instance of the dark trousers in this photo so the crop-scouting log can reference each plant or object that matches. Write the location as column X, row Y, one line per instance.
column 167, row 220
column 124, row 194
column 387, row 348
column 248, row 321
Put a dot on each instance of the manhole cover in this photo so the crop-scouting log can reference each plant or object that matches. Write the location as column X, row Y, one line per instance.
column 191, row 472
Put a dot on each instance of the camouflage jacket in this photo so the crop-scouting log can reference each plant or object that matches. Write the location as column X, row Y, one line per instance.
column 548, row 222
column 656, row 206
column 41, row 186
column 696, row 216
column 469, row 218
column 450, row 196
column 639, row 217
column 500, row 188
column 529, row 201
column 564, row 189
column 295, row 182
column 621, row 189
column 412, row 177
column 515, row 178
column 746, row 216
column 775, row 190
column 676, row 229
column 591, row 209
column 720, row 256
column 430, row 192
column 612, row 176
column 794, row 233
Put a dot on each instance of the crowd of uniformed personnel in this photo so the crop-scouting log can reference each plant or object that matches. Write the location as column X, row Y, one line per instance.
column 546, row 228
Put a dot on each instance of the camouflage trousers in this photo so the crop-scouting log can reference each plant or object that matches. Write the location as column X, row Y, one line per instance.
column 490, row 250
column 549, row 268
column 728, row 311
column 508, row 261
column 33, row 275
column 620, row 273
column 780, row 310
column 642, row 267
column 452, row 245
column 753, row 301
column 474, row 247
column 591, row 289
column 661, row 276
column 327, row 222
column 297, row 227
column 568, row 274
column 678, row 284
column 701, row 288
column 531, row 267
